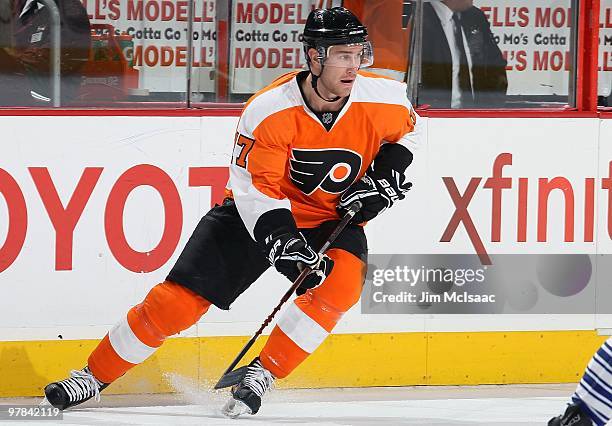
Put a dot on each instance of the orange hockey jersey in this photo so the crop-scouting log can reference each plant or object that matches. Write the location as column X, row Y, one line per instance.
column 284, row 157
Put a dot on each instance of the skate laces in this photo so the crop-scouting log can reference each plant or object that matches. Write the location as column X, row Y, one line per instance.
column 258, row 379
column 81, row 385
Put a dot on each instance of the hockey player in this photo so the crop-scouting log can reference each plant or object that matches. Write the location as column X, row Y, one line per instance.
column 592, row 402
column 306, row 147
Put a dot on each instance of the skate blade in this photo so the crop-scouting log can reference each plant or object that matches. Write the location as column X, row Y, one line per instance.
column 45, row 403
column 234, row 408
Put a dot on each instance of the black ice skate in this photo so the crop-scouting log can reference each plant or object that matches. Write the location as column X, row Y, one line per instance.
column 573, row 416
column 246, row 395
column 78, row 388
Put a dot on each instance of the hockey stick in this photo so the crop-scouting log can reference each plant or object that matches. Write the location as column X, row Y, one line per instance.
column 231, row 376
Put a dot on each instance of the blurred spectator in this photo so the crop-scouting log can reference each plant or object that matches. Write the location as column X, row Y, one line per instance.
column 12, row 72
column 25, row 64
column 471, row 73
column 5, row 22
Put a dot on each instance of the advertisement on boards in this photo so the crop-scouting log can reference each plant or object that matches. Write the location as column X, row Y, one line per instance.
column 107, row 225
column 266, row 40
column 534, row 37
column 158, row 31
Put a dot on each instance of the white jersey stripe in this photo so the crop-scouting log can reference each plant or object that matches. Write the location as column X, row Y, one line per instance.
column 414, row 139
column 279, row 98
column 301, row 329
column 127, row 345
column 379, row 90
column 250, row 202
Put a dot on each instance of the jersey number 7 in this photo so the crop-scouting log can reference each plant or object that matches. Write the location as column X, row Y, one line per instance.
column 246, row 144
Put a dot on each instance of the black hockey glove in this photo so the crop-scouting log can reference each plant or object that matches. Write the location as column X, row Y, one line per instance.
column 377, row 192
column 290, row 254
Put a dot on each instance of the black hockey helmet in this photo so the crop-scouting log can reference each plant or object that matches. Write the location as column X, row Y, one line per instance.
column 338, row 25
column 326, row 28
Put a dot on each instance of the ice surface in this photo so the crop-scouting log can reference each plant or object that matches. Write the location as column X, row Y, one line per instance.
column 492, row 405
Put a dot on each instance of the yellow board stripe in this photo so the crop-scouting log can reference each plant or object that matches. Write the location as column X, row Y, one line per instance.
column 344, row 360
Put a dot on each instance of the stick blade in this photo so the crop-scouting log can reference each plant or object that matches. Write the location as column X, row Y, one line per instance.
column 231, row 378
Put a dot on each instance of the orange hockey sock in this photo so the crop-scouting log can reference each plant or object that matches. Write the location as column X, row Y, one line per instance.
column 311, row 317
column 168, row 309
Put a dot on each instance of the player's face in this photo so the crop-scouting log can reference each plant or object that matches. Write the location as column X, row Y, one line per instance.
column 340, row 71
column 339, row 81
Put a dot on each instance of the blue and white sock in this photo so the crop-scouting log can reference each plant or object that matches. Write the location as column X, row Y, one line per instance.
column 594, row 392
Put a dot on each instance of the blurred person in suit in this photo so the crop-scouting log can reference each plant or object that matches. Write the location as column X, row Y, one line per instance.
column 25, row 50
column 12, row 72
column 468, row 74
column 462, row 66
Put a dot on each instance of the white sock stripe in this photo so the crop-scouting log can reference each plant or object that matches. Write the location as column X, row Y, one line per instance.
column 604, row 398
column 127, row 345
column 301, row 329
column 597, row 417
column 601, row 381
column 606, row 351
column 598, row 364
column 592, row 398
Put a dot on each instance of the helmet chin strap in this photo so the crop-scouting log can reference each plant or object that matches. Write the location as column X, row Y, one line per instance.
column 315, row 78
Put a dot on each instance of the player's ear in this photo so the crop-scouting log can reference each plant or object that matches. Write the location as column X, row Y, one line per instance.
column 315, row 62
column 314, row 56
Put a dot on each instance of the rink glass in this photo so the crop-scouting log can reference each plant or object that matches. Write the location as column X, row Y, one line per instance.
column 218, row 53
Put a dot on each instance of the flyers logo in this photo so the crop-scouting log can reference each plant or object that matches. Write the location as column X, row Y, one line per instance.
column 332, row 170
